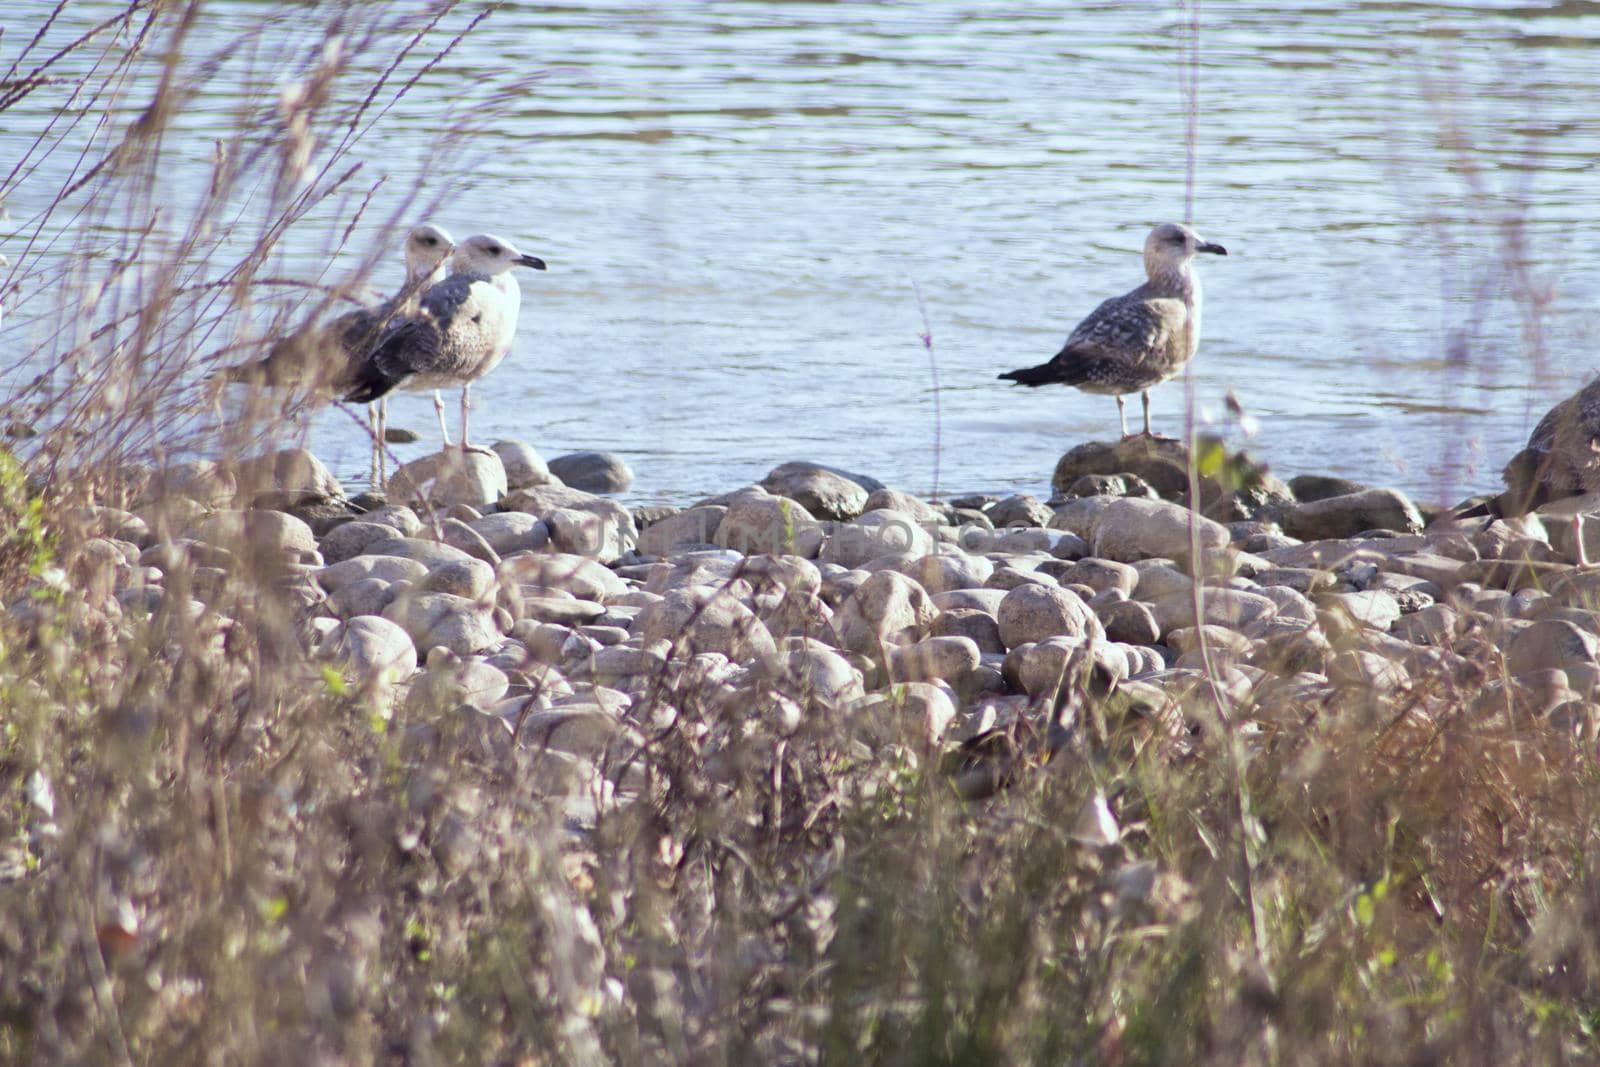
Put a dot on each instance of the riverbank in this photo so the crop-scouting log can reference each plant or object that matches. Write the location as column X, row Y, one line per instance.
column 661, row 762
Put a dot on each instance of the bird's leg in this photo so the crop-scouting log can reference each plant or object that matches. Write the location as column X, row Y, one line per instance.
column 438, row 409
column 1145, row 395
column 466, row 407
column 1584, row 563
column 1122, row 414
column 383, row 443
column 375, row 427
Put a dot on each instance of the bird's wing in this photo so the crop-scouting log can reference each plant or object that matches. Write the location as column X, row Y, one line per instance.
column 309, row 357
column 1126, row 328
column 423, row 342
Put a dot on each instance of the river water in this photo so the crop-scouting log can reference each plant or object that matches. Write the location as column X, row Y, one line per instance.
column 753, row 211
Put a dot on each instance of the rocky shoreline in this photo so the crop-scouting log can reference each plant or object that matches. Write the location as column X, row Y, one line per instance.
column 518, row 610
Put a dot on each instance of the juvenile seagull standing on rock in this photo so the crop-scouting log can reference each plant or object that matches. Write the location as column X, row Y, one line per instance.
column 461, row 332
column 1562, row 458
column 327, row 357
column 1136, row 341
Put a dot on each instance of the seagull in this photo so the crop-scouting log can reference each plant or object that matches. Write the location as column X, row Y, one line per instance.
column 1134, row 342
column 462, row 330
column 326, row 357
column 1562, row 458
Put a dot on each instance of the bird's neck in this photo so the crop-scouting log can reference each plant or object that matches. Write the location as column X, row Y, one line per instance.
column 508, row 285
column 1172, row 279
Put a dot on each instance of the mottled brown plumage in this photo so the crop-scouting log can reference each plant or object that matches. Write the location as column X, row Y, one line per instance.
column 1562, row 457
column 1134, row 342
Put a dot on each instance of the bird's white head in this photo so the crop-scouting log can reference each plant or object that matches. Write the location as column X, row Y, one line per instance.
column 1171, row 246
column 486, row 254
column 427, row 248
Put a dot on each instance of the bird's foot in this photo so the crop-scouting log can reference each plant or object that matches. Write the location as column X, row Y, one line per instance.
column 479, row 449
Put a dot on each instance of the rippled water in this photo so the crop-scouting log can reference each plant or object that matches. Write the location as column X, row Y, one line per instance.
column 741, row 201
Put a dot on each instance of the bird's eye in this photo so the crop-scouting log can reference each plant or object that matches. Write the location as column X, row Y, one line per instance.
column 493, row 250
column 430, row 240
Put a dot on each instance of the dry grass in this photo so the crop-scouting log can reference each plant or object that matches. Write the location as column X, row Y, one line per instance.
column 211, row 851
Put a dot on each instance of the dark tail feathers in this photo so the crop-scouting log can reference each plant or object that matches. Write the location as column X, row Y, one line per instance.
column 1043, row 374
column 371, row 383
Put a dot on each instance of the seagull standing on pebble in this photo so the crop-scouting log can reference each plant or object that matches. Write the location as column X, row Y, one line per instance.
column 1562, row 459
column 1134, row 342
column 327, row 357
column 462, row 330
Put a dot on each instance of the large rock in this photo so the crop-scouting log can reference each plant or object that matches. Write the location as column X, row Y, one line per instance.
column 875, row 535
column 1033, row 612
column 508, row 532
column 360, row 568
column 1232, row 485
column 941, row 572
column 1374, row 609
column 984, row 600
column 1159, row 461
column 1310, row 487
column 608, row 534
column 555, row 571
column 292, row 471
column 449, row 477
column 1044, row 668
column 1550, row 644
column 470, row 578
column 351, row 539
column 895, row 500
column 439, row 619
column 1020, row 510
column 428, row 553
column 887, row 609
column 980, row 627
column 523, row 465
column 935, row 659
column 593, row 472
column 908, row 712
column 696, row 526
column 758, row 523
column 457, row 534
column 450, row 682
column 373, row 649
column 261, row 533
column 823, row 491
column 809, row 671
column 1346, row 516
column 1129, row 622
column 1127, row 530
column 1237, row 608
column 1101, row 575
column 396, row 516
column 606, row 537
column 369, row 596
column 701, row 623
column 200, row 480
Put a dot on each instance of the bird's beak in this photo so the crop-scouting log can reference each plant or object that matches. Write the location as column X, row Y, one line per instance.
column 531, row 261
column 1216, row 250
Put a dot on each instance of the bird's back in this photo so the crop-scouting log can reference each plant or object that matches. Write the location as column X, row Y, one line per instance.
column 460, row 328
column 1129, row 342
column 1562, row 457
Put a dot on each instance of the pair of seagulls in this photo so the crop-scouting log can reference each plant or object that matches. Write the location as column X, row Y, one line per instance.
column 442, row 329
